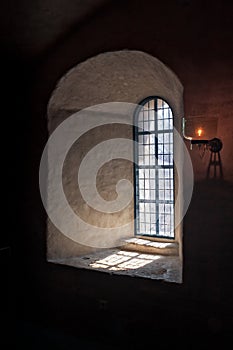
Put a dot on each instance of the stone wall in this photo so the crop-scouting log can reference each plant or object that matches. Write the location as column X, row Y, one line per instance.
column 125, row 77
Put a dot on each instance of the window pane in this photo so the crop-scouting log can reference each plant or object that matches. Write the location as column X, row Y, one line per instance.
column 154, row 170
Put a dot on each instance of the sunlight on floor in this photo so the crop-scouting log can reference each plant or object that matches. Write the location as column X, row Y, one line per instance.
column 129, row 263
column 124, row 260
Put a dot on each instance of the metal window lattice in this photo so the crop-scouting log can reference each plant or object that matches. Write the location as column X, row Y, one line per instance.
column 154, row 169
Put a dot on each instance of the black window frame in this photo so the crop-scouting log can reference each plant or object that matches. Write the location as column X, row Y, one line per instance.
column 137, row 131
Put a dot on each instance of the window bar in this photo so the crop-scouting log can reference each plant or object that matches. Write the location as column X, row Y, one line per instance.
column 156, row 170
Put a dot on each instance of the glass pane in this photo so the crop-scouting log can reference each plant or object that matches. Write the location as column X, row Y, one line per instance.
column 166, row 124
column 160, row 138
column 170, row 123
column 152, row 174
column 166, row 137
column 151, row 139
column 145, row 115
column 151, row 125
column 140, row 139
column 159, row 103
column 141, row 194
column 141, row 173
column 152, row 184
column 160, row 124
column 152, row 195
column 161, row 184
column 151, row 104
column 140, row 117
column 165, row 113
column 155, row 184
column 140, row 160
column 145, row 126
column 152, row 207
column 141, row 184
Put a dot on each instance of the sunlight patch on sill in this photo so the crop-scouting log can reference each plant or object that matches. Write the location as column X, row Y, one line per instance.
column 129, row 263
column 124, row 260
column 147, row 242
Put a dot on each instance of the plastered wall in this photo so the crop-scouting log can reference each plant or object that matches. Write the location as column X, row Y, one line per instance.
column 123, row 76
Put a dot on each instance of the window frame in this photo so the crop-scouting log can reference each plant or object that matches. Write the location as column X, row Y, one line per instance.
column 136, row 167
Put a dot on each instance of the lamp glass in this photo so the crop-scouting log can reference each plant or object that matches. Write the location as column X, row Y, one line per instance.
column 202, row 128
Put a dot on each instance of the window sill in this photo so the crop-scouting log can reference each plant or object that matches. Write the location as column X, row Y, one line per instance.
column 135, row 260
column 151, row 246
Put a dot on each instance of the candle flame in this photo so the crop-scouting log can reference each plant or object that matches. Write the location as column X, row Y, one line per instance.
column 199, row 132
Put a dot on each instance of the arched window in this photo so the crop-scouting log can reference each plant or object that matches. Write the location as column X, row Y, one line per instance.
column 154, row 169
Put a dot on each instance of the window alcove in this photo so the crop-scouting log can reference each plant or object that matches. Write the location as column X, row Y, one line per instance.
column 127, row 78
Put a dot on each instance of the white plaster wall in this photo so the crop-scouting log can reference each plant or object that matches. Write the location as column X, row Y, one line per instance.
column 122, row 76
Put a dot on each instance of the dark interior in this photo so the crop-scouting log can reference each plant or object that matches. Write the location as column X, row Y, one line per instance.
column 45, row 305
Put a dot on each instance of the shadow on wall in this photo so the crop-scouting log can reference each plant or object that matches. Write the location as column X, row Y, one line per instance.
column 208, row 240
column 214, row 170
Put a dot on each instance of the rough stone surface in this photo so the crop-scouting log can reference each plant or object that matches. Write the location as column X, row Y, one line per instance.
column 121, row 76
column 126, row 76
column 122, row 262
